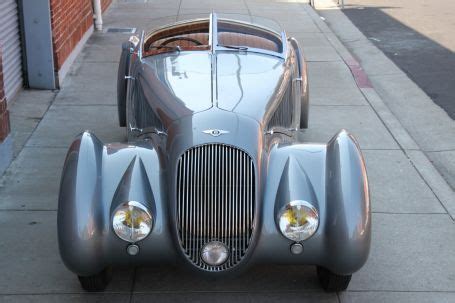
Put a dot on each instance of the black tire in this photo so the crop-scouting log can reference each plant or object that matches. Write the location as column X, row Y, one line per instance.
column 122, row 83
column 304, row 110
column 96, row 282
column 332, row 282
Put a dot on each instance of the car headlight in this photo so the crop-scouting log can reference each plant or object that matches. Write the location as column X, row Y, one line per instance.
column 298, row 220
column 132, row 221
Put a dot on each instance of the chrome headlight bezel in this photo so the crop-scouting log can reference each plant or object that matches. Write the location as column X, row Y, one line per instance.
column 297, row 232
column 130, row 233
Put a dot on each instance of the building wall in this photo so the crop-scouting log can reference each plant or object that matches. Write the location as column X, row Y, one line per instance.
column 70, row 20
column 4, row 114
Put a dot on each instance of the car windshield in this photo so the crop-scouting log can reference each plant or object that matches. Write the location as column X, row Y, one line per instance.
column 233, row 32
column 181, row 36
column 245, row 32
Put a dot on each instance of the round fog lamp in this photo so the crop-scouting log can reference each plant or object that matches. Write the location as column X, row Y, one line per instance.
column 214, row 253
column 298, row 220
column 132, row 221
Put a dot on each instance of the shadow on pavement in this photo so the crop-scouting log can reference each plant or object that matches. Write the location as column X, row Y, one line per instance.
column 429, row 64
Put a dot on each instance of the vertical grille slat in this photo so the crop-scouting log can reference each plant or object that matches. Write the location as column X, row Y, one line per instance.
column 284, row 114
column 215, row 201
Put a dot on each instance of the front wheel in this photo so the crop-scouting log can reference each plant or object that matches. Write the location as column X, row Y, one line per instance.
column 332, row 282
column 122, row 82
column 97, row 282
column 304, row 109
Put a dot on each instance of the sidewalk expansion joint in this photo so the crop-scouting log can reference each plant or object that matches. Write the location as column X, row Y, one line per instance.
column 133, row 283
column 23, row 210
column 402, row 291
column 88, row 105
column 341, row 105
column 97, row 61
column 322, row 61
column 105, row 292
column 409, row 213
column 407, row 154
column 439, row 151
column 32, row 130
column 247, row 291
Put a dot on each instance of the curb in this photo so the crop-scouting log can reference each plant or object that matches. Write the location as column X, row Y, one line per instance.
column 438, row 185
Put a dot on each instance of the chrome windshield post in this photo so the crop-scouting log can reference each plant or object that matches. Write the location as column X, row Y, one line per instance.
column 213, row 32
column 141, row 46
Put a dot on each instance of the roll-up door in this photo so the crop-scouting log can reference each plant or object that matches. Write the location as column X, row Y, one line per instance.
column 11, row 47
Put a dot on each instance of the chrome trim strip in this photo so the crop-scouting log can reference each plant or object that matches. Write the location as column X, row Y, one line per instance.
column 213, row 32
column 141, row 46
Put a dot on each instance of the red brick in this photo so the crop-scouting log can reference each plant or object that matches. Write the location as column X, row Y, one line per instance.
column 4, row 125
column 70, row 19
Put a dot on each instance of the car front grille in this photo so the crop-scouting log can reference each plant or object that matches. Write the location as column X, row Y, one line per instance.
column 215, row 201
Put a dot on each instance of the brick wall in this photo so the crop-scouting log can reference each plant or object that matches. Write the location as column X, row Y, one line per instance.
column 4, row 114
column 70, row 19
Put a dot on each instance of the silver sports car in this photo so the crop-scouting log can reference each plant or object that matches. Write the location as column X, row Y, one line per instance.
column 214, row 176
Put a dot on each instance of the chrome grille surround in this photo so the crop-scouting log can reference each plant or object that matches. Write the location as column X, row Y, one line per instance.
column 215, row 201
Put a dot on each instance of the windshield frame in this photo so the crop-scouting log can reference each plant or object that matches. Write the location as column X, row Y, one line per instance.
column 244, row 48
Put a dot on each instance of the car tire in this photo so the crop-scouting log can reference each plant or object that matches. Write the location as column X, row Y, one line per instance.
column 304, row 110
column 332, row 282
column 122, row 83
column 96, row 282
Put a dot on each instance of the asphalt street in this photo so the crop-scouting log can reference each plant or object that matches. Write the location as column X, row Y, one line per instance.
column 418, row 36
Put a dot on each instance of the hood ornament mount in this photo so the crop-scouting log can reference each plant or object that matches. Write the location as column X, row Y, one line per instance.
column 215, row 132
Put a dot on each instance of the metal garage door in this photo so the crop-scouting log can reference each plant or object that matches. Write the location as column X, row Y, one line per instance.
column 11, row 47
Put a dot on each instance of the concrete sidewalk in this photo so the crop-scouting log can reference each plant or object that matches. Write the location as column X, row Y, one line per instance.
column 429, row 132
column 412, row 257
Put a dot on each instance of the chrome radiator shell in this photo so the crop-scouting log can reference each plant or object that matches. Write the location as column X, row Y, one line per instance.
column 216, row 198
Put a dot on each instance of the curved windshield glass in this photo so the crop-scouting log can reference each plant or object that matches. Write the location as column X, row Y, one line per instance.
column 245, row 32
column 189, row 35
column 263, row 22
column 215, row 32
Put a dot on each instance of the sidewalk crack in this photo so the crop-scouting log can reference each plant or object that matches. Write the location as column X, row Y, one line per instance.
column 133, row 284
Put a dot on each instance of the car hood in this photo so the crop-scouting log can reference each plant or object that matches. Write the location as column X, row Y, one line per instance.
column 178, row 85
column 247, row 82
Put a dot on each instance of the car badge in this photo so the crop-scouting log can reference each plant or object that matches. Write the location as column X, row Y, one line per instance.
column 215, row 132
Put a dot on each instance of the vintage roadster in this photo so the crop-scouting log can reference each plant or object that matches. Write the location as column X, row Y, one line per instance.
column 214, row 175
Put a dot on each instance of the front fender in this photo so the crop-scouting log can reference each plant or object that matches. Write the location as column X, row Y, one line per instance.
column 96, row 179
column 81, row 219
column 333, row 179
column 348, row 220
